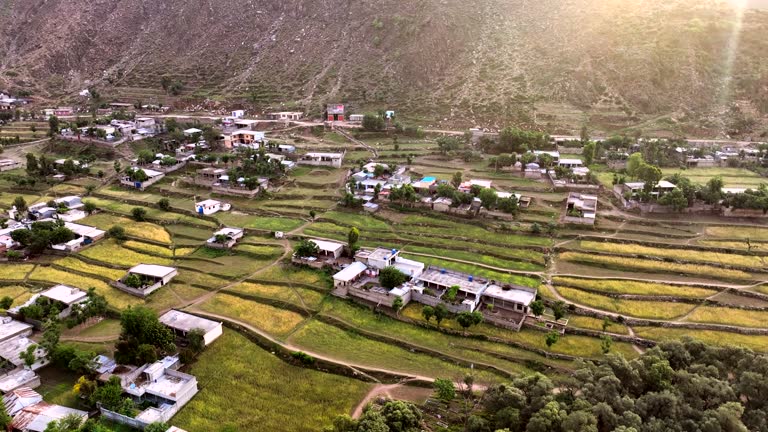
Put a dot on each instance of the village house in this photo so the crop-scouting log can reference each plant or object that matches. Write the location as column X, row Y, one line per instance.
column 192, row 131
column 208, row 207
column 329, row 249
column 356, row 118
column 12, row 349
column 159, row 385
column 225, row 238
column 532, row 171
column 425, row 186
column 633, row 189
column 570, row 163
column 466, row 187
column 64, row 297
column 245, row 138
column 442, row 204
column 30, row 413
column 10, row 328
column 153, row 177
column 246, row 124
column 9, row 164
column 580, row 209
column 470, row 289
column 63, row 112
column 554, row 154
column 151, row 276
column 18, row 378
column 322, row 159
column 285, row 115
column 84, row 236
column 181, row 323
column 71, row 202
column 334, row 112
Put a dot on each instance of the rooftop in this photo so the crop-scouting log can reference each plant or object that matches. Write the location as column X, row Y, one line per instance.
column 447, row 278
column 65, row 294
column 351, row 271
column 16, row 379
column 187, row 322
column 329, row 155
column 153, row 270
column 516, row 295
column 208, row 202
column 10, row 328
column 84, row 230
column 382, row 254
column 327, row 246
column 228, row 232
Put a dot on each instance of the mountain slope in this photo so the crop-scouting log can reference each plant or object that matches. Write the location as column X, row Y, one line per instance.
column 555, row 63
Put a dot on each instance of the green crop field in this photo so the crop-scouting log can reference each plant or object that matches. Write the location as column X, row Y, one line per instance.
column 633, row 308
column 616, row 286
column 272, row 395
column 679, row 254
column 143, row 230
column 732, row 177
column 723, row 338
column 734, row 317
column 111, row 252
column 270, row 319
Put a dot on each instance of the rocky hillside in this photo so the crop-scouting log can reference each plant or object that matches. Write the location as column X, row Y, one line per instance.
column 684, row 66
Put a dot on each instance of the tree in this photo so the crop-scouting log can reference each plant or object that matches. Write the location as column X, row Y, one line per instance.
column 605, row 343
column 69, row 423
column 164, row 204
column 312, row 214
column 468, row 319
column 447, row 144
column 110, row 395
column 53, row 125
column 588, row 153
column 156, row 427
column 306, row 248
column 7, row 301
column 633, row 163
column 20, row 203
column 397, row 304
column 140, row 326
column 32, row 165
column 445, row 389
column 558, row 309
column 373, row 122
column 427, row 312
column 674, row 199
column 650, row 174
column 196, row 339
column 139, row 214
column 552, row 338
column 117, row 167
column 535, row 228
column 117, row 232
column 441, row 312
column 488, row 198
column 51, row 335
column 89, row 207
column 5, row 420
column 390, row 277
column 353, row 237
column 456, row 179
column 537, row 307
column 28, row 356
column 546, row 160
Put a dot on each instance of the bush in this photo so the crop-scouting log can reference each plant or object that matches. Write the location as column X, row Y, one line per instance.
column 303, row 357
column 164, row 204
column 139, row 214
column 117, row 233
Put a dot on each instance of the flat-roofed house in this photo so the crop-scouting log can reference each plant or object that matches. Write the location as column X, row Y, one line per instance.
column 182, row 323
column 131, row 180
column 349, row 275
column 380, row 258
column 466, row 186
column 207, row 207
column 580, row 209
column 285, row 115
column 11, row 350
column 225, row 238
column 245, row 138
column 570, row 163
column 63, row 296
column 8, row 164
column 508, row 298
column 470, row 288
column 329, row 248
column 18, row 378
column 152, row 278
column 10, row 328
column 322, row 159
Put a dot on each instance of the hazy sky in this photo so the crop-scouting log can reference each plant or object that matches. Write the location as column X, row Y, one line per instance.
column 762, row 4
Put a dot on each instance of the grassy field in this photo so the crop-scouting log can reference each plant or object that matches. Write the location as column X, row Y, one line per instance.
column 298, row 296
column 290, row 273
column 755, row 342
column 328, row 340
column 152, row 213
column 589, row 323
column 633, row 308
column 15, row 271
column 737, row 232
column 616, row 286
column 18, row 293
column 275, row 321
column 242, row 220
column 652, row 266
column 271, row 395
column 683, row 254
column 475, row 257
column 735, row 317
column 732, row 177
column 107, row 327
column 84, row 267
column 116, row 298
column 149, row 248
column 109, row 251
column 143, row 230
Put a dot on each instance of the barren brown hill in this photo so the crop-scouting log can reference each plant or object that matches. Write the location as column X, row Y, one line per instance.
column 683, row 66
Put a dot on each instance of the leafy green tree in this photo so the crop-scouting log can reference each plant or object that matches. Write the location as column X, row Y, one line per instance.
column 353, row 237
column 537, row 307
column 634, row 162
column 32, row 165
column 6, row 302
column 427, row 312
column 164, row 204
column 70, row 423
column 447, row 144
column 552, row 338
column 110, row 395
column 558, row 310
column 28, row 356
column 456, row 179
column 441, row 312
column 468, row 319
column 488, row 198
column 606, row 342
column 140, row 326
column 196, row 338
column 588, row 153
column 50, row 339
column 89, row 207
column 535, row 228
column 674, row 199
column 133, row 281
column 139, row 214
column 20, row 203
column 546, row 160
column 117, row 232
column 306, row 248
column 312, row 214
column 373, row 122
column 156, row 427
column 445, row 389
column 397, row 304
column 5, row 420
column 390, row 277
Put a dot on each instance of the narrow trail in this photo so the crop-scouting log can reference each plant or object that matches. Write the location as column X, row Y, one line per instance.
column 90, row 339
column 348, row 136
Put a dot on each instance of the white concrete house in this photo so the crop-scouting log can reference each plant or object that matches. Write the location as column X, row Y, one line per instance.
column 182, row 323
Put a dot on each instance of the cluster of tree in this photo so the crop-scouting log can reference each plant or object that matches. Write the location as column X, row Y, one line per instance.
column 502, row 161
column 136, row 174
column 43, row 235
column 441, row 312
column 409, row 131
column 256, row 163
column 305, row 248
column 513, row 140
column 373, row 122
column 73, row 423
column 677, row 386
column 393, row 416
column 403, row 194
column 94, row 305
column 170, row 85
column 143, row 338
column 751, row 199
column 449, row 144
column 390, row 277
column 39, row 167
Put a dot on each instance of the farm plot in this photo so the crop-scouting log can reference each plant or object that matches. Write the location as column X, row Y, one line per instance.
column 15, row 272
column 633, row 308
column 255, row 222
column 111, row 252
column 475, row 257
column 652, row 266
column 152, row 213
column 737, row 232
column 293, row 274
column 149, row 249
column 589, row 323
column 142, row 230
column 755, row 342
column 18, row 293
column 617, row 286
column 273, row 320
column 726, row 316
column 279, row 397
column 688, row 255
column 116, row 298
column 225, row 266
column 297, row 296
column 732, row 177
column 328, row 340
column 266, row 251
column 84, row 267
